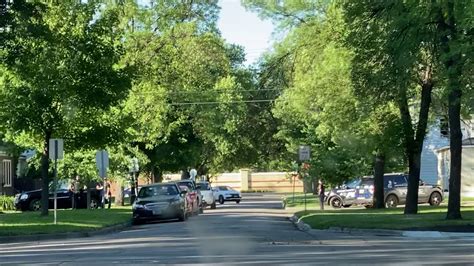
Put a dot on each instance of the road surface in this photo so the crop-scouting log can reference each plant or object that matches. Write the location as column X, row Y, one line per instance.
column 256, row 231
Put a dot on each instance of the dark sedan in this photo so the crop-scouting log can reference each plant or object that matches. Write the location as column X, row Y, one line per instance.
column 31, row 200
column 159, row 201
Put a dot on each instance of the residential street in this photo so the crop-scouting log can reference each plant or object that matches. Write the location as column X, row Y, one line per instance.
column 256, row 231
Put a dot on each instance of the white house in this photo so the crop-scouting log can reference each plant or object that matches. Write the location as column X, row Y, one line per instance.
column 435, row 157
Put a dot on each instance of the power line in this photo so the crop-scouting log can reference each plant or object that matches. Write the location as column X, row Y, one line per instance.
column 191, row 92
column 230, row 102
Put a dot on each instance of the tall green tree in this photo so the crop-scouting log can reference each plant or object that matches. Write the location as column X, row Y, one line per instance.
column 184, row 73
column 319, row 98
column 59, row 69
column 394, row 61
column 404, row 49
column 454, row 21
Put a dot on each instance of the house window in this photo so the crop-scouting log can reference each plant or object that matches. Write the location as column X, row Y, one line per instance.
column 444, row 127
column 7, row 173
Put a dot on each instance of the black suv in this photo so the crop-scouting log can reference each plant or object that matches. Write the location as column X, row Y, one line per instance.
column 31, row 200
column 360, row 192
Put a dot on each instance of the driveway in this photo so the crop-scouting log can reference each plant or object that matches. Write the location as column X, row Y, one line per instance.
column 256, row 231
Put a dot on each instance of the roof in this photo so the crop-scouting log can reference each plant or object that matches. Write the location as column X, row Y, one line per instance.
column 445, row 148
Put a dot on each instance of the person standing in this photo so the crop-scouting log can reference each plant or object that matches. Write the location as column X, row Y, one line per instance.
column 193, row 174
column 321, row 194
column 99, row 187
column 109, row 195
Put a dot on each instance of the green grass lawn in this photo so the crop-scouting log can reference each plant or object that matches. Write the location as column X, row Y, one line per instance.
column 428, row 217
column 299, row 199
column 28, row 223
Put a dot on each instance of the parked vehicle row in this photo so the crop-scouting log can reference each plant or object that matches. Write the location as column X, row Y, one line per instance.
column 174, row 200
column 179, row 200
column 360, row 191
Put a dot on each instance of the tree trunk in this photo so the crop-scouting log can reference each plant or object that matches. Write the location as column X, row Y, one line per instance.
column 157, row 175
column 379, row 169
column 414, row 140
column 453, row 62
column 45, row 175
column 455, row 142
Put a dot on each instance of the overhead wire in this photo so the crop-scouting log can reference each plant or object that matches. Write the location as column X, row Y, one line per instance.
column 229, row 102
column 204, row 92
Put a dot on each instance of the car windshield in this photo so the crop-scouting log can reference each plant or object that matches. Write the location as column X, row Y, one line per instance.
column 223, row 188
column 204, row 186
column 158, row 190
column 62, row 185
column 188, row 184
column 353, row 183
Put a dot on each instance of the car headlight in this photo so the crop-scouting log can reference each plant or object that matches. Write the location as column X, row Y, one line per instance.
column 175, row 200
column 24, row 196
column 138, row 206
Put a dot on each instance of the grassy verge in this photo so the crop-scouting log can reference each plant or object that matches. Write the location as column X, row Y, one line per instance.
column 299, row 200
column 29, row 223
column 428, row 218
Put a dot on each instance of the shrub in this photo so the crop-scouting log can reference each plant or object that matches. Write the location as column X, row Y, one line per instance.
column 7, row 203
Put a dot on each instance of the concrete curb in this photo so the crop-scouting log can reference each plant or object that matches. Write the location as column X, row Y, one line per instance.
column 71, row 235
column 299, row 224
column 380, row 232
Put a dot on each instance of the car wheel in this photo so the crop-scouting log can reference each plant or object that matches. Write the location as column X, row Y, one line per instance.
column 213, row 205
column 221, row 199
column 35, row 205
column 182, row 216
column 137, row 222
column 196, row 209
column 435, row 199
column 391, row 201
column 238, row 201
column 201, row 209
column 94, row 204
column 336, row 202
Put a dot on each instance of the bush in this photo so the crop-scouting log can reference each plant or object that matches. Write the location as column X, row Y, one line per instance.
column 7, row 203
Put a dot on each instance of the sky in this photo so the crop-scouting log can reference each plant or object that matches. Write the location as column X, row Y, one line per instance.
column 245, row 28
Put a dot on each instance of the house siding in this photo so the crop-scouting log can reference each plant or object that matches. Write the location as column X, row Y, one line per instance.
column 429, row 157
column 5, row 188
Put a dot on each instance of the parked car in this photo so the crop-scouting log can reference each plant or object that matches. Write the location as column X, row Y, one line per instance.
column 349, row 193
column 193, row 197
column 31, row 200
column 159, row 201
column 360, row 192
column 226, row 193
column 207, row 194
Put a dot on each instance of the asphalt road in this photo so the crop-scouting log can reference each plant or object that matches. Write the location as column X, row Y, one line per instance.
column 256, row 231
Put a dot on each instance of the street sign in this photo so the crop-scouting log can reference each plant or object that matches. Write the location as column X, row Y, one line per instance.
column 134, row 167
column 56, row 152
column 56, row 149
column 304, row 153
column 102, row 162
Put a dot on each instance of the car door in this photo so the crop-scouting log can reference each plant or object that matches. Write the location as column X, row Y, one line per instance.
column 348, row 192
column 400, row 187
column 365, row 191
column 63, row 199
column 423, row 192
